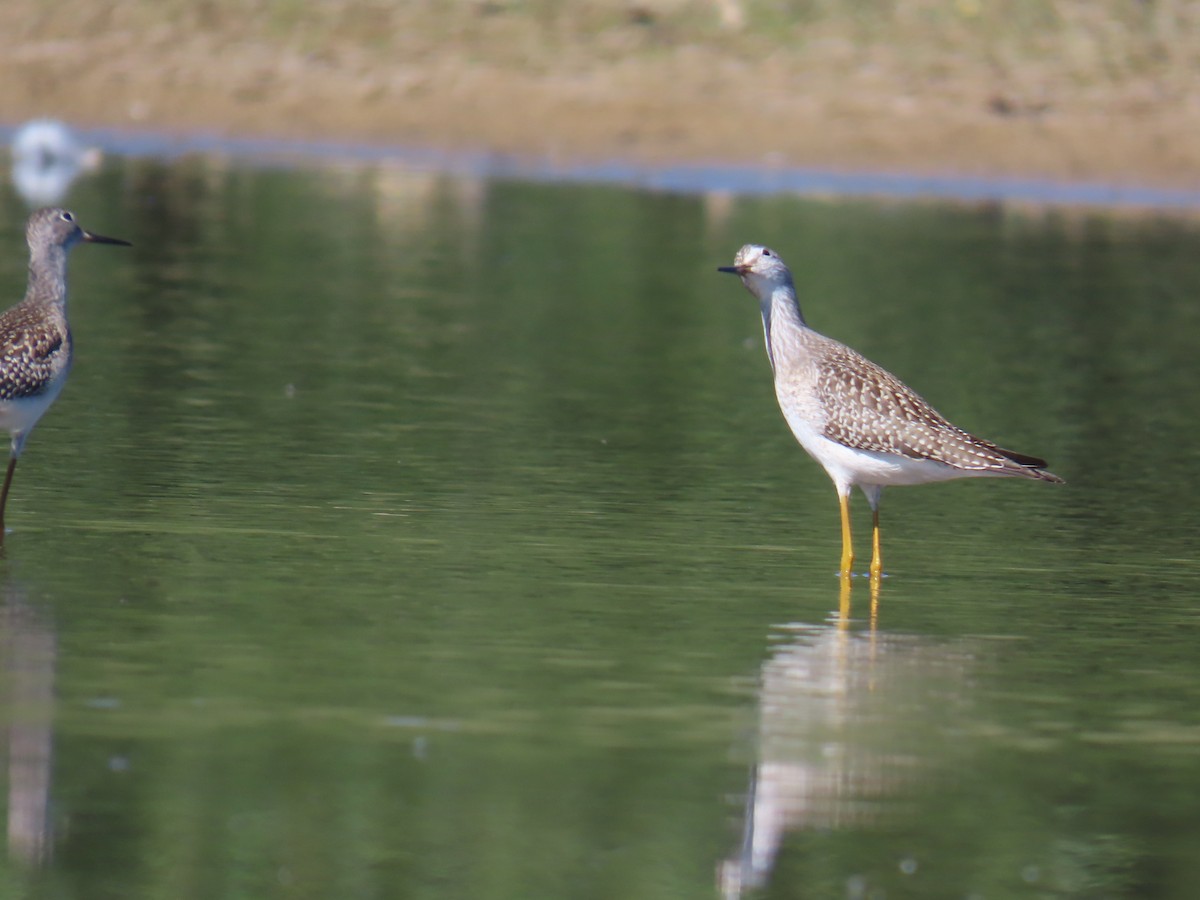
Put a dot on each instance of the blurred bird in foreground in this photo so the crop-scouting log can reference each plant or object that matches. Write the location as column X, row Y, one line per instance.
column 35, row 337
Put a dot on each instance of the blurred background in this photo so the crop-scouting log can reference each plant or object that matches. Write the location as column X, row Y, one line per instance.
column 1082, row 88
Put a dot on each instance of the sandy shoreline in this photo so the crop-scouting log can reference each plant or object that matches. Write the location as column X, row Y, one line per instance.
column 688, row 103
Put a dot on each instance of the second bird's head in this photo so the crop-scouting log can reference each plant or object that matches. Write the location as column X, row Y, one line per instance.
column 53, row 226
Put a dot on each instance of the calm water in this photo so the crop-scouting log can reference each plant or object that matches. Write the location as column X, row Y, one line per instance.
column 413, row 536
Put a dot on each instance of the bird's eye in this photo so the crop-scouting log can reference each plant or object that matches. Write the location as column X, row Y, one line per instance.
column 66, row 216
column 766, row 252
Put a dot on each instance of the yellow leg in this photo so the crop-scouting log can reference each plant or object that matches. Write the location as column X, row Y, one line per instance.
column 844, row 602
column 876, row 558
column 847, row 541
column 874, row 605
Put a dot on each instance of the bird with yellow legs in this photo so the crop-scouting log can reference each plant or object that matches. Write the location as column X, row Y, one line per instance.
column 860, row 422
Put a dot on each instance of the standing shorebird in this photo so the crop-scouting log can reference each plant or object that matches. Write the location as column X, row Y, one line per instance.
column 860, row 422
column 35, row 339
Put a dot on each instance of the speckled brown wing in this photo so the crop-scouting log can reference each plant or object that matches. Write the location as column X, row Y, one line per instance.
column 32, row 351
column 868, row 408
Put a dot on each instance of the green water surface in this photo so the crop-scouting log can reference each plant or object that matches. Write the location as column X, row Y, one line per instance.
column 408, row 536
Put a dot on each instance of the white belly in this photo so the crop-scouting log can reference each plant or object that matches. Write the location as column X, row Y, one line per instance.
column 849, row 467
column 18, row 417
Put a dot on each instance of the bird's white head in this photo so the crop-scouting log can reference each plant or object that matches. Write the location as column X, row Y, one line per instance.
column 761, row 270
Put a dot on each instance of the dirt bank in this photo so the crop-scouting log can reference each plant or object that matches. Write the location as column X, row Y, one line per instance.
column 657, row 81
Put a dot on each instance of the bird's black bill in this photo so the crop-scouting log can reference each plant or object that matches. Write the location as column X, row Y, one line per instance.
column 732, row 270
column 101, row 239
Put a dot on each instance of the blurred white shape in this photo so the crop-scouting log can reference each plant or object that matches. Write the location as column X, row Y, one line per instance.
column 731, row 13
column 46, row 160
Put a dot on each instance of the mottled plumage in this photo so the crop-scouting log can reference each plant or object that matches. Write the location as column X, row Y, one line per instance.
column 864, row 425
column 869, row 408
column 35, row 349
column 35, row 339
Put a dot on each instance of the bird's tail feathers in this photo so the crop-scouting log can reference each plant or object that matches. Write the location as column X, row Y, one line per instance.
column 1033, row 466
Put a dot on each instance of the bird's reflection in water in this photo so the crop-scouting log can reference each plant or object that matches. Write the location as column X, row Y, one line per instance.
column 30, row 649
column 849, row 719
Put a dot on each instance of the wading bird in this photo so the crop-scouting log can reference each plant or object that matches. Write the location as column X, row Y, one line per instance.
column 860, row 422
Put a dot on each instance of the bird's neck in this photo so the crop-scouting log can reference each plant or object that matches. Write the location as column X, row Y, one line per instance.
column 780, row 313
column 48, row 277
column 781, row 304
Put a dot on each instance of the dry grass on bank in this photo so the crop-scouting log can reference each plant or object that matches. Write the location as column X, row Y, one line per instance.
column 1083, row 42
column 956, row 83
